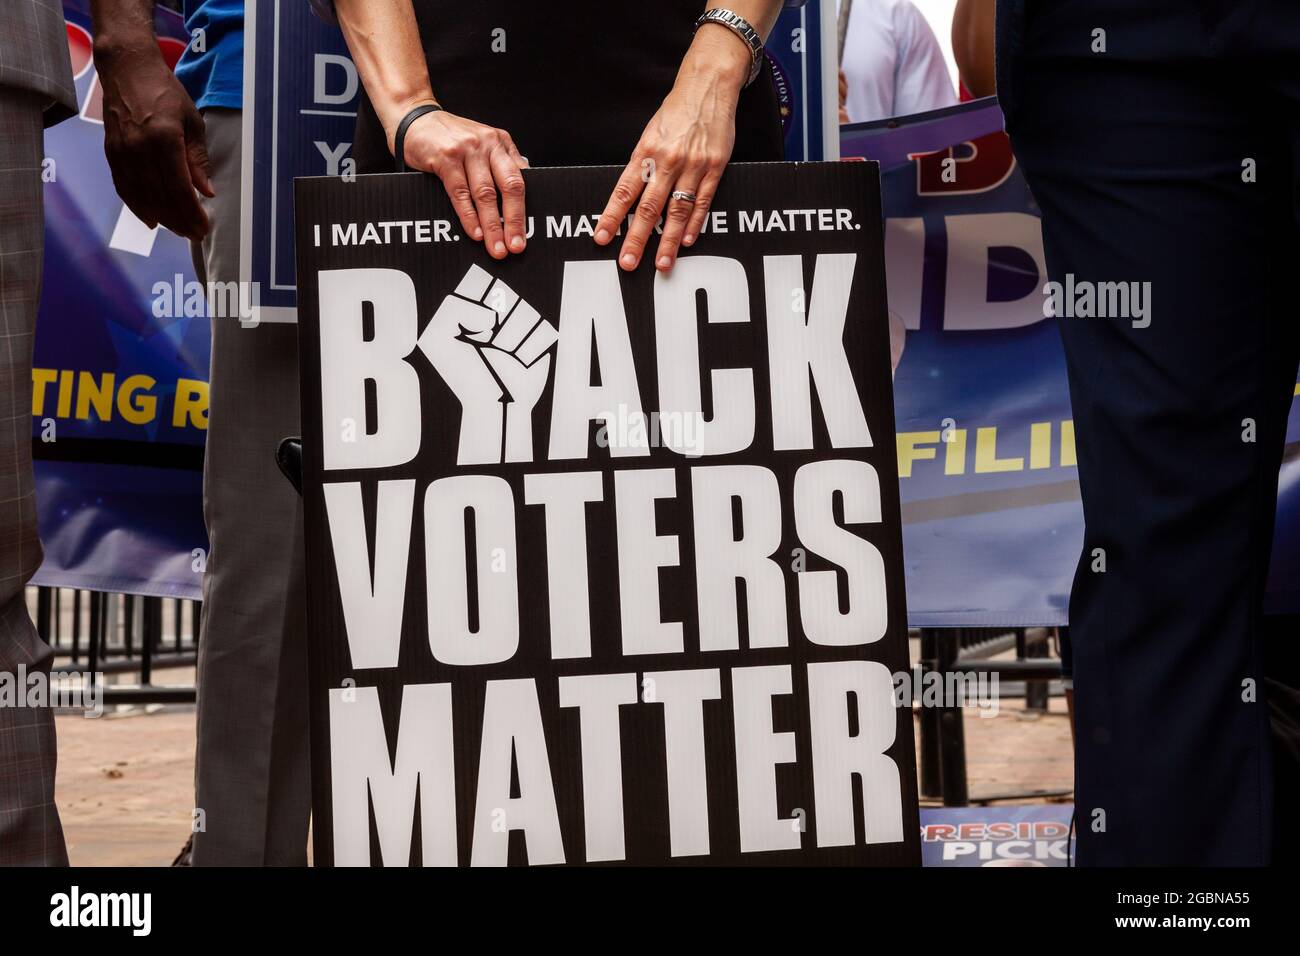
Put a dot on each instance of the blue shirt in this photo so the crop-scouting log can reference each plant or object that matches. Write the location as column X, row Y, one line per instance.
column 214, row 77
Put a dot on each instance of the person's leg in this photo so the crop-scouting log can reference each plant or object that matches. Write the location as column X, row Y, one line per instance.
column 1282, row 667
column 1276, row 41
column 251, row 767
column 30, row 833
column 1138, row 164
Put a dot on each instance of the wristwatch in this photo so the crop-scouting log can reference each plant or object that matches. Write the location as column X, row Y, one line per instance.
column 743, row 29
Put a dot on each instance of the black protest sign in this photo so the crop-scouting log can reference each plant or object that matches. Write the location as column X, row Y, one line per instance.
column 603, row 566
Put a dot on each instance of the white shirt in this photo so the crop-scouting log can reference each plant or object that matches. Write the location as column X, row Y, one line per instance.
column 892, row 62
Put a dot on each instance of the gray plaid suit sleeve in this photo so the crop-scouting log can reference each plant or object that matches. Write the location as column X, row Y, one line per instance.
column 34, row 54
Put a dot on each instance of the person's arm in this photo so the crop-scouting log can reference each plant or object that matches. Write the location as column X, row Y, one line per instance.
column 973, row 25
column 153, row 135
column 472, row 160
column 687, row 143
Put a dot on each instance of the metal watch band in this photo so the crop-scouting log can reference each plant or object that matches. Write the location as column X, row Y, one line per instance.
column 743, row 29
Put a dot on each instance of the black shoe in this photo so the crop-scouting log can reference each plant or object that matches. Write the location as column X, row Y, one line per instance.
column 187, row 851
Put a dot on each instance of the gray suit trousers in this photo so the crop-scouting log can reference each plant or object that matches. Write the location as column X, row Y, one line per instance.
column 30, row 833
column 252, row 778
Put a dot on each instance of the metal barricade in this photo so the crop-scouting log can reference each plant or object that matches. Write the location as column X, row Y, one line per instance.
column 100, row 633
column 972, row 651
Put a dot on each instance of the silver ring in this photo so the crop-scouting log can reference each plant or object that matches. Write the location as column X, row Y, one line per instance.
column 683, row 194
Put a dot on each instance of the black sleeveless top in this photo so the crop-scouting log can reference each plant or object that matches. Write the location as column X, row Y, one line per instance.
column 573, row 83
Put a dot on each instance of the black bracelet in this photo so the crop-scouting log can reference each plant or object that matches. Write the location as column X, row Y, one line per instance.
column 399, row 140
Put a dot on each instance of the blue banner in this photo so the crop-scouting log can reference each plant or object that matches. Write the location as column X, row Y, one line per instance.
column 119, row 398
column 300, row 106
column 802, row 50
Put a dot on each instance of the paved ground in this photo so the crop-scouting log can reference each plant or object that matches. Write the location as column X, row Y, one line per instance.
column 125, row 784
column 1016, row 752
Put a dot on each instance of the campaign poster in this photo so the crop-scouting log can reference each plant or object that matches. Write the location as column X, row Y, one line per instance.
column 1034, row 836
column 603, row 567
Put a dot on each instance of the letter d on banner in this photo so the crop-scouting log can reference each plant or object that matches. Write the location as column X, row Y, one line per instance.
column 353, row 352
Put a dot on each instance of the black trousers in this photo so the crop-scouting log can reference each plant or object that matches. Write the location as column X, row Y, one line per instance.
column 1161, row 139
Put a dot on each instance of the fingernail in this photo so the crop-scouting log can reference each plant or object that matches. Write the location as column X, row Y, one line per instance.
column 688, row 239
column 629, row 261
column 665, row 262
column 517, row 243
column 499, row 248
column 602, row 236
column 478, row 232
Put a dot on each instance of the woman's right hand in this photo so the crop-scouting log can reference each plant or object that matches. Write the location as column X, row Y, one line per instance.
column 475, row 163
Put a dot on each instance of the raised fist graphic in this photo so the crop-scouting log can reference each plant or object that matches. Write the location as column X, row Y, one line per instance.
column 491, row 348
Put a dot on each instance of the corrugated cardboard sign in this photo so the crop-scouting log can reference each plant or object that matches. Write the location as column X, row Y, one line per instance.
column 603, row 566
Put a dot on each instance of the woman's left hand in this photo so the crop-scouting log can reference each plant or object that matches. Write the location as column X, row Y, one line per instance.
column 684, row 149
